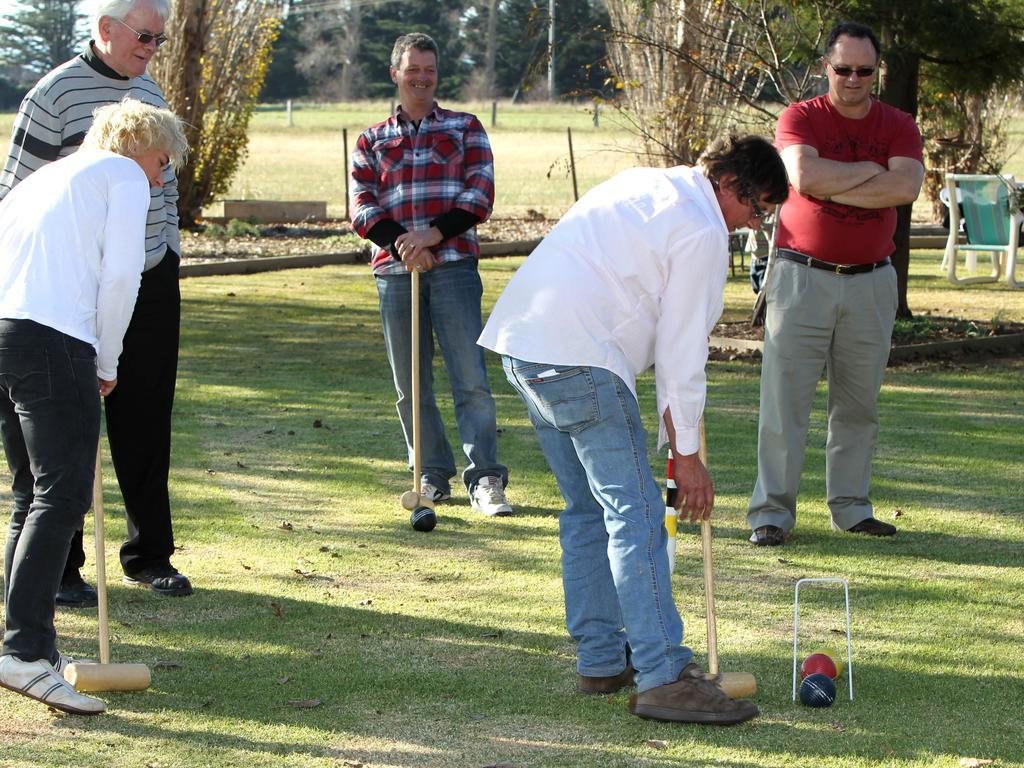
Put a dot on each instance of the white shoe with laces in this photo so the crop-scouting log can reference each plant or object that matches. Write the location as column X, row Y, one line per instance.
column 488, row 498
column 432, row 492
column 39, row 680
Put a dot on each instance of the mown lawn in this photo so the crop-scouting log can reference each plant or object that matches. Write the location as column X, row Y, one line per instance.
column 325, row 632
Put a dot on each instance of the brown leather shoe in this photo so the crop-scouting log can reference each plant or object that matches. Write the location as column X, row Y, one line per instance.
column 605, row 685
column 691, row 699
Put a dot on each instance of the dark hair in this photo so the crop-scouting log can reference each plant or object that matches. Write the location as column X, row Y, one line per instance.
column 851, row 29
column 754, row 162
column 417, row 40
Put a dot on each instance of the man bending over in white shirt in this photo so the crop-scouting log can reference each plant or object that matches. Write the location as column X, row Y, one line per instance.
column 632, row 276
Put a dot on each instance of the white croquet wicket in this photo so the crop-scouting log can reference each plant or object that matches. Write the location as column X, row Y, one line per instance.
column 796, row 624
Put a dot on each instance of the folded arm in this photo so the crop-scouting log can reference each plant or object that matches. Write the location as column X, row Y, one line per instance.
column 863, row 184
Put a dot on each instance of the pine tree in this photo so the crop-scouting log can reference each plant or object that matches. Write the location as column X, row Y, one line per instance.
column 41, row 34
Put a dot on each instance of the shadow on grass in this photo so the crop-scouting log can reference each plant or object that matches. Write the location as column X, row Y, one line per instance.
column 411, row 689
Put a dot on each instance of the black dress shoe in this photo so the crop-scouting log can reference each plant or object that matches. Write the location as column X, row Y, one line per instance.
column 873, row 527
column 768, row 536
column 75, row 593
column 163, row 579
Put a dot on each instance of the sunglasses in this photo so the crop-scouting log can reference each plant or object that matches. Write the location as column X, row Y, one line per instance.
column 847, row 71
column 145, row 37
column 759, row 212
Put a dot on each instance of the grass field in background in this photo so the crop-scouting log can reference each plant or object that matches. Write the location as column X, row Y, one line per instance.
column 324, row 632
column 307, row 160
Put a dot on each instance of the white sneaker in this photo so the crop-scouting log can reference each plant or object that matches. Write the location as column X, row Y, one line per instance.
column 488, row 498
column 432, row 492
column 66, row 661
column 39, row 680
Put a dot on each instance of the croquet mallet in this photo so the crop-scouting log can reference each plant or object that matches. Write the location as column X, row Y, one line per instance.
column 423, row 517
column 104, row 676
column 737, row 685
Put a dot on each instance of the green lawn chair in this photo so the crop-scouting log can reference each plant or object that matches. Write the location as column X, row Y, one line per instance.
column 992, row 223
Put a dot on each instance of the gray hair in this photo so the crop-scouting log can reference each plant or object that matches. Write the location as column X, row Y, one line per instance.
column 131, row 128
column 119, row 9
column 417, row 40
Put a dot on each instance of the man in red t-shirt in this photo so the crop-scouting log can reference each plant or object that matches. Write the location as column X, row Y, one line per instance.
column 831, row 294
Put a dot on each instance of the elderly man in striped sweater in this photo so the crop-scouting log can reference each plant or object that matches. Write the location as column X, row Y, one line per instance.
column 51, row 123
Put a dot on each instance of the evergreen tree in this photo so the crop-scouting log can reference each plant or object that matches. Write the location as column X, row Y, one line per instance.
column 41, row 34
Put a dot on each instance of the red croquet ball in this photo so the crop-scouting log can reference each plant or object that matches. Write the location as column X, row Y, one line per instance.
column 819, row 664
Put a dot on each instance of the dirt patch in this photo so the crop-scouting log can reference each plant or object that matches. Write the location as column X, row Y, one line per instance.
column 248, row 241
column 926, row 337
column 924, row 329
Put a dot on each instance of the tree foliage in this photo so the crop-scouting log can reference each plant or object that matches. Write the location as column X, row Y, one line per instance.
column 211, row 72
column 340, row 50
column 41, row 34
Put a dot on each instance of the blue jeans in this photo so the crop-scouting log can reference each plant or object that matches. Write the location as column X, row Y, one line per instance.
column 614, row 562
column 450, row 307
column 50, row 422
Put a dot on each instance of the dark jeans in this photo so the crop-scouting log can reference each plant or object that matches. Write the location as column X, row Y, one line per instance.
column 139, row 420
column 50, row 422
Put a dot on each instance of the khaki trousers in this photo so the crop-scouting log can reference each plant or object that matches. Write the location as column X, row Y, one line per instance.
column 843, row 323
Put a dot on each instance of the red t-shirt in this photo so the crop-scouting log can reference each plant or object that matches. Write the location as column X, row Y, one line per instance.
column 843, row 234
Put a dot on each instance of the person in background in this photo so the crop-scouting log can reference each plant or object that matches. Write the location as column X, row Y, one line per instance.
column 51, row 123
column 421, row 181
column 831, row 295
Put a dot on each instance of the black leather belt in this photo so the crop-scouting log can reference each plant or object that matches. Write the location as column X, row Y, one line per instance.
column 828, row 266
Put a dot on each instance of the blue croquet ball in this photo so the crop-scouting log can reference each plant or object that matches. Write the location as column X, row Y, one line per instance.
column 423, row 519
column 818, row 690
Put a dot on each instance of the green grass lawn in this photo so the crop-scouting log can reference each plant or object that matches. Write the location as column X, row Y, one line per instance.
column 325, row 632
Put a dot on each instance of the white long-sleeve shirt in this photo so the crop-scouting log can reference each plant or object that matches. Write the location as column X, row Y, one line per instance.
column 632, row 276
column 72, row 249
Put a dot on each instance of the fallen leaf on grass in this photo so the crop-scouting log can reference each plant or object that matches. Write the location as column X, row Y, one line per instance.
column 283, row 680
column 317, row 424
column 352, row 764
column 366, row 602
column 241, row 465
column 167, row 665
column 656, row 744
column 247, row 567
column 499, row 765
column 837, row 726
column 277, row 609
column 784, row 561
column 974, row 762
column 897, row 513
column 286, row 526
column 305, row 703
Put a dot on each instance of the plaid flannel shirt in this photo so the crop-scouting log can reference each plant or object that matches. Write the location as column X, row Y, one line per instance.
column 414, row 176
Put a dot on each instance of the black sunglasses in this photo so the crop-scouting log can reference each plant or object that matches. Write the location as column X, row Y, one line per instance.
column 847, row 71
column 145, row 37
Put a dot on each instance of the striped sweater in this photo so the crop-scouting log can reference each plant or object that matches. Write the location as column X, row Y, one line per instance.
column 54, row 118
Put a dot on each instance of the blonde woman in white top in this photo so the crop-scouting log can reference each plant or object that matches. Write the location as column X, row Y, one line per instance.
column 72, row 250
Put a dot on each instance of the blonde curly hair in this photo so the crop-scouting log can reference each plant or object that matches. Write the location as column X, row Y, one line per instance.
column 131, row 128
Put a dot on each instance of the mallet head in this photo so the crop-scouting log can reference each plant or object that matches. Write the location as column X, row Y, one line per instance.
column 410, row 500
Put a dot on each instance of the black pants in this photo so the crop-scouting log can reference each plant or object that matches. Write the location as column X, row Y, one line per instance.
column 50, row 421
column 139, row 420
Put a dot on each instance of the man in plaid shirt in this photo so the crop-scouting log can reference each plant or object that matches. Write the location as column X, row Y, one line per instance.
column 422, row 180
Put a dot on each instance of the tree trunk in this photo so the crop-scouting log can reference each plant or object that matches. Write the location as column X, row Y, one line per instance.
column 899, row 89
column 492, row 48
